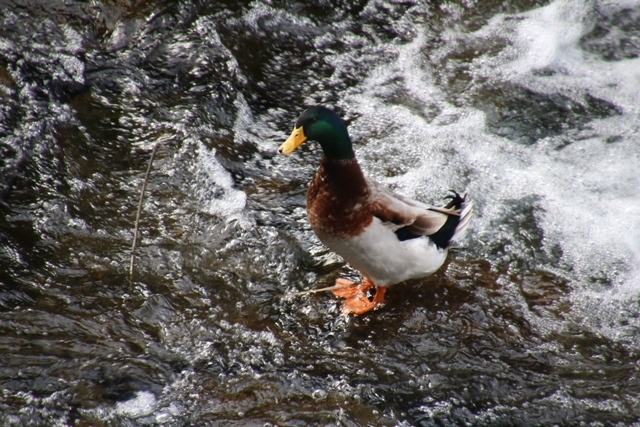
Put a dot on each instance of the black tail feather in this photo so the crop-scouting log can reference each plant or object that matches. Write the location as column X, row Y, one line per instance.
column 442, row 237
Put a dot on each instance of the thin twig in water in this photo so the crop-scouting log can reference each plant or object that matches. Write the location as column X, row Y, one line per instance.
column 135, row 231
column 313, row 291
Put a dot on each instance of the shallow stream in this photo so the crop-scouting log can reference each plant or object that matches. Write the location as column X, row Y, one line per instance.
column 532, row 107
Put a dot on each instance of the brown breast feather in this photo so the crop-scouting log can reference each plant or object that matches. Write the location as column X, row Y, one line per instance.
column 338, row 200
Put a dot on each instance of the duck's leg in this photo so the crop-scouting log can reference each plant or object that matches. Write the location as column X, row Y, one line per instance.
column 356, row 299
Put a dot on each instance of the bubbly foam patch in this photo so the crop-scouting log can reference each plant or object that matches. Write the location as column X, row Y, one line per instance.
column 142, row 404
column 213, row 186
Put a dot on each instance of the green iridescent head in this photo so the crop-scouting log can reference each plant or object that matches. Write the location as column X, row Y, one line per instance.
column 324, row 126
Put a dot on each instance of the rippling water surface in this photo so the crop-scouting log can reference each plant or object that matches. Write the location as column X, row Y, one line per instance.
column 532, row 107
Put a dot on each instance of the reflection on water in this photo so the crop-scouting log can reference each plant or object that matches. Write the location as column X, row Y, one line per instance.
column 532, row 107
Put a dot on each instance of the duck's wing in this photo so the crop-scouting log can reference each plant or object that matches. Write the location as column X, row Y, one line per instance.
column 409, row 218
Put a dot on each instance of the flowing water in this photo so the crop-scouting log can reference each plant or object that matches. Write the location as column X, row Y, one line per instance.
column 533, row 107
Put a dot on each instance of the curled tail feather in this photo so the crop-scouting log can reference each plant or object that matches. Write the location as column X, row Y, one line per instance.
column 457, row 221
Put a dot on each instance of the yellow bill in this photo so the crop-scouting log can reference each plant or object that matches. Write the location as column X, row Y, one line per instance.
column 297, row 137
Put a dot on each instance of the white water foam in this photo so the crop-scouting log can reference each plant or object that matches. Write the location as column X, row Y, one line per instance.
column 213, row 186
column 141, row 405
column 591, row 188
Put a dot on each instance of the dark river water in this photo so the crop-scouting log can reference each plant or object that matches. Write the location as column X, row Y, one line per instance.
column 533, row 107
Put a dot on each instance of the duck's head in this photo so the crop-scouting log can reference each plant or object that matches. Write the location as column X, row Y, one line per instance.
column 324, row 126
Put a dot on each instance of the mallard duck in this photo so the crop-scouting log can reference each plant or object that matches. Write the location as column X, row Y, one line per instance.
column 388, row 238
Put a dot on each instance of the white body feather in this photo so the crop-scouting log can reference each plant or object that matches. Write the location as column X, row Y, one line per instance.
column 379, row 255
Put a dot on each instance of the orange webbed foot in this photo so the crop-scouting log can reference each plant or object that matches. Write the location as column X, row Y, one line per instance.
column 356, row 300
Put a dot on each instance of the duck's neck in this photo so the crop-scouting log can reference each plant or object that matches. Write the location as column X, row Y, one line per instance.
column 334, row 139
column 343, row 178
